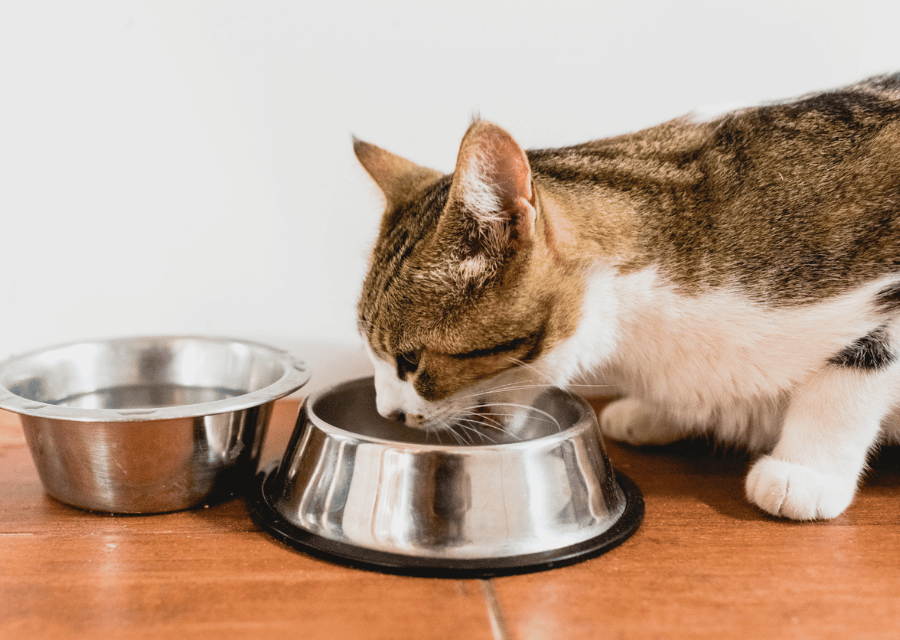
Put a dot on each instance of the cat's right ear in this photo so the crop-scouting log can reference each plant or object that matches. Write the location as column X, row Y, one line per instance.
column 398, row 178
column 492, row 186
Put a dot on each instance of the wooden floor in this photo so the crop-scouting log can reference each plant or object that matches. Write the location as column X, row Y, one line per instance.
column 705, row 564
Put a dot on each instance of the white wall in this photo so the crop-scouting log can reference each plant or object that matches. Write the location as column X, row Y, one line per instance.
column 186, row 167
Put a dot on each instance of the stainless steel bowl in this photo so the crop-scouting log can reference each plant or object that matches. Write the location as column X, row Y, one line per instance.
column 370, row 492
column 148, row 424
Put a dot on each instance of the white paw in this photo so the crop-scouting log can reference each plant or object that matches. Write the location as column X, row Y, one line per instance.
column 632, row 421
column 797, row 491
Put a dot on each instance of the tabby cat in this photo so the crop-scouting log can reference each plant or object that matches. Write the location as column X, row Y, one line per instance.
column 738, row 277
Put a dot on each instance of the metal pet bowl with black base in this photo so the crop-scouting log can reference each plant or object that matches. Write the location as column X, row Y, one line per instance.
column 368, row 492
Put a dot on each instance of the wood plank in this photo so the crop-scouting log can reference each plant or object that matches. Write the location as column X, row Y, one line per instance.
column 173, row 582
column 201, row 573
column 706, row 564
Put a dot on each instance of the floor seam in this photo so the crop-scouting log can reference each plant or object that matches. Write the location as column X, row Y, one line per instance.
column 498, row 620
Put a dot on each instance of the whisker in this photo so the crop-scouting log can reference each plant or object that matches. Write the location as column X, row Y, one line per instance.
column 437, row 432
column 469, row 431
column 546, row 414
column 523, row 386
column 479, row 422
column 529, row 366
column 545, row 417
column 539, row 375
column 456, row 437
column 509, row 386
column 591, row 386
column 475, row 432
column 448, row 428
column 501, row 430
column 493, row 423
column 475, row 413
column 475, row 429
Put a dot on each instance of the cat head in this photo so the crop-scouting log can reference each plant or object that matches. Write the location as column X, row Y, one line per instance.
column 463, row 297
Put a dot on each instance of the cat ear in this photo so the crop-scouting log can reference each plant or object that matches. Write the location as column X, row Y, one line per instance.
column 492, row 185
column 398, row 178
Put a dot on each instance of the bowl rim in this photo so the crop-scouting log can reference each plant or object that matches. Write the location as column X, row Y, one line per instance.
column 294, row 375
column 586, row 420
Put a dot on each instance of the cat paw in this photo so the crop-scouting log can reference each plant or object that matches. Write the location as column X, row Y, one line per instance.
column 796, row 491
column 632, row 421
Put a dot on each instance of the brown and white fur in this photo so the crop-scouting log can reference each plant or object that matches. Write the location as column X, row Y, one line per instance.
column 738, row 277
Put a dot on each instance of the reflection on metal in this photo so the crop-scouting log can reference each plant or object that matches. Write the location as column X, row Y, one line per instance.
column 353, row 480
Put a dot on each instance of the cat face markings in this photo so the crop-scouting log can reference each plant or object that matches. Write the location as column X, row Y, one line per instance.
column 395, row 398
column 416, row 386
column 440, row 273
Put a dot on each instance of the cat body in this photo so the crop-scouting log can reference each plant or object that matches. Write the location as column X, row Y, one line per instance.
column 737, row 277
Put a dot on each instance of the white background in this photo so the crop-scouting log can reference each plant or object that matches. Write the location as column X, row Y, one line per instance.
column 179, row 167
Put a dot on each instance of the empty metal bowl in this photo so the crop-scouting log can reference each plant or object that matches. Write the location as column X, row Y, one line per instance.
column 149, row 424
column 370, row 492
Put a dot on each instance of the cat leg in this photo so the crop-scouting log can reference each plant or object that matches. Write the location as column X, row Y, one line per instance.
column 830, row 425
column 636, row 422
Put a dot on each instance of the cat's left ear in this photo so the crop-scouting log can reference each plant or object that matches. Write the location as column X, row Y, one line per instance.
column 398, row 178
column 492, row 186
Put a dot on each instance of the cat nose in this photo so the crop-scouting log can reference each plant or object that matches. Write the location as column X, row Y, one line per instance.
column 411, row 419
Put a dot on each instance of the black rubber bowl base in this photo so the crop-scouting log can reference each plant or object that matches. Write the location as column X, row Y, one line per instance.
column 361, row 558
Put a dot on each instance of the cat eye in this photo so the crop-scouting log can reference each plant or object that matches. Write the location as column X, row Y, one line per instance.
column 407, row 363
column 527, row 344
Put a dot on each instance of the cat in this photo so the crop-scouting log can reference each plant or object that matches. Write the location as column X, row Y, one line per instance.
column 736, row 276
